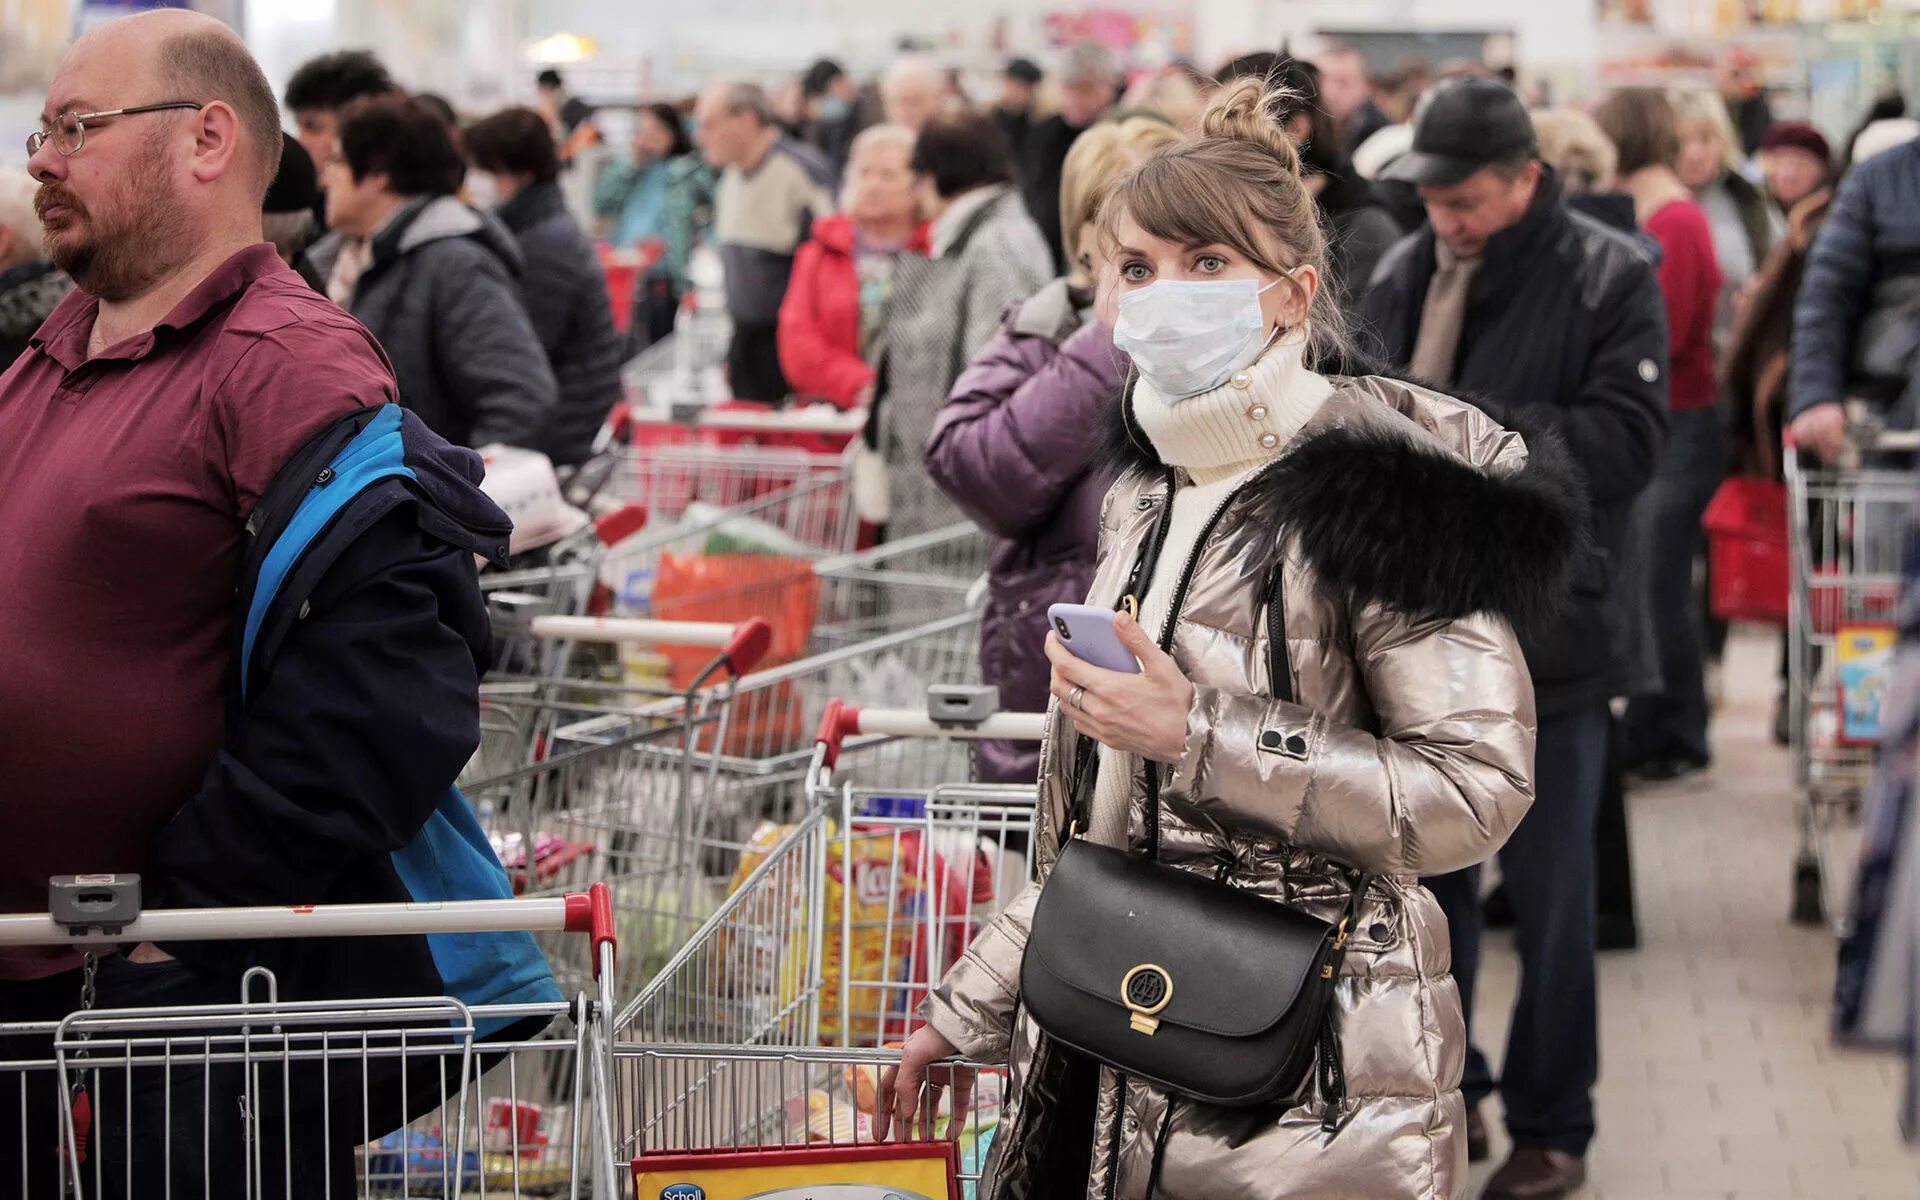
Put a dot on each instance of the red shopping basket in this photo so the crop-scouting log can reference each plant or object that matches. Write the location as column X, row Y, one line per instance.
column 1746, row 525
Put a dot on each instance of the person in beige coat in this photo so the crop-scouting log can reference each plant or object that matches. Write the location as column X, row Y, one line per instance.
column 1404, row 534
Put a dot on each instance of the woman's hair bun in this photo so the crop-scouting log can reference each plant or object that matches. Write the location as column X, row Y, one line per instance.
column 1247, row 110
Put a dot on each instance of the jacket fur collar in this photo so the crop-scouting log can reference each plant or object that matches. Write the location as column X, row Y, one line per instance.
column 1386, row 513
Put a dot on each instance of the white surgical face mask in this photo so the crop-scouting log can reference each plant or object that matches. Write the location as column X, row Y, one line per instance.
column 1186, row 336
column 483, row 190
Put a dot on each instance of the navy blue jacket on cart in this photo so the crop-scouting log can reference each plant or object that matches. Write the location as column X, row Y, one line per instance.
column 353, row 706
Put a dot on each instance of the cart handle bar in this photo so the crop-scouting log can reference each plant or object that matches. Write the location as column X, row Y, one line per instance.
column 742, row 645
column 589, row 912
column 842, row 721
column 620, row 524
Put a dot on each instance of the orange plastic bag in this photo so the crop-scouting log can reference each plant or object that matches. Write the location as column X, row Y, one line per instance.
column 734, row 587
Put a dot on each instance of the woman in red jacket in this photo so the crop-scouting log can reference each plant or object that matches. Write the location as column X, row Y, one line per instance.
column 1666, row 733
column 836, row 301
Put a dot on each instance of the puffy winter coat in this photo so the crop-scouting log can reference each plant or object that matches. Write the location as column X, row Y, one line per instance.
column 442, row 293
column 1407, row 527
column 820, row 317
column 566, row 293
column 1565, row 327
column 1015, row 448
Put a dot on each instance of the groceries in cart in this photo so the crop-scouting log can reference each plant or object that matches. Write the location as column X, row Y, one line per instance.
column 908, row 902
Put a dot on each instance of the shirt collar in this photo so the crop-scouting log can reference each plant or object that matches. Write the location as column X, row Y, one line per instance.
column 64, row 336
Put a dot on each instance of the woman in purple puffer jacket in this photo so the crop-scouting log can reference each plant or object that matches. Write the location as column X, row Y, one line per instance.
column 1014, row 446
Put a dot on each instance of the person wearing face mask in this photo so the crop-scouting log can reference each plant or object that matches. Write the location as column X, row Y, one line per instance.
column 565, row 290
column 837, row 299
column 1326, row 571
column 1015, row 447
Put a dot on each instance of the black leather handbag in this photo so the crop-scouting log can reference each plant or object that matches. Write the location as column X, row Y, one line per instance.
column 1203, row 989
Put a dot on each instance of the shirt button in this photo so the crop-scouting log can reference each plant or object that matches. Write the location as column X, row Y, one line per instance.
column 1241, row 380
column 1269, row 440
column 1257, row 413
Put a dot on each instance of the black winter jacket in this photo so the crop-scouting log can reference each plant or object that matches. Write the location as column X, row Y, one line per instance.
column 442, row 293
column 1565, row 327
column 1862, row 281
column 566, row 294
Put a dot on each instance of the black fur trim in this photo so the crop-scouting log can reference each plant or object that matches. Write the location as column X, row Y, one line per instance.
column 1382, row 517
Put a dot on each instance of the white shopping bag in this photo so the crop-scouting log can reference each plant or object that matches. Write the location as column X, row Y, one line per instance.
column 523, row 484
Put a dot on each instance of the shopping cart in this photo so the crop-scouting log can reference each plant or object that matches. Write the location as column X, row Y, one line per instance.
column 562, row 579
column 1848, row 528
column 624, row 801
column 122, row 1102
column 771, row 1026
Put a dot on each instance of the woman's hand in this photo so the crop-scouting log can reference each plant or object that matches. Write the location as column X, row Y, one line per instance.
column 902, row 1103
column 1144, row 714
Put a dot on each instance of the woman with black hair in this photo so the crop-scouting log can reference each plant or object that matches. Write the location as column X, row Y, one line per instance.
column 663, row 194
column 987, row 255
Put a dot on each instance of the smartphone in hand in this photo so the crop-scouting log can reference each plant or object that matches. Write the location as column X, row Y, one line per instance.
column 1087, row 631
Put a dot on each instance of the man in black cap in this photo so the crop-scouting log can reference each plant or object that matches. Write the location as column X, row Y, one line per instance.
column 1013, row 111
column 1555, row 325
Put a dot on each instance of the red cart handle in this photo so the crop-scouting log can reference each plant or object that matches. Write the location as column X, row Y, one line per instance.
column 620, row 524
column 591, row 912
column 749, row 644
column 840, row 721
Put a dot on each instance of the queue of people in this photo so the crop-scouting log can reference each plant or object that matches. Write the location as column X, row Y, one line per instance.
column 1393, row 453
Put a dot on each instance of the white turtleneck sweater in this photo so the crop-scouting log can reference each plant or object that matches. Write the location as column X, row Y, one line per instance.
column 1216, row 439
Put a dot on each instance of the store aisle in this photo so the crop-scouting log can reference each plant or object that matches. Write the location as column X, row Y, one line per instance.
column 1717, row 1076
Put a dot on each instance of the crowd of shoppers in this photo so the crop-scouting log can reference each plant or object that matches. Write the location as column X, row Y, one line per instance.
column 1429, row 392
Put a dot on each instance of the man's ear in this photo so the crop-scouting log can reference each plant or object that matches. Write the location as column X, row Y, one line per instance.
column 217, row 141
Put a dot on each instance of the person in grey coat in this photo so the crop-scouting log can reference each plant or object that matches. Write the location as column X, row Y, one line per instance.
column 987, row 255
column 565, row 288
column 435, row 281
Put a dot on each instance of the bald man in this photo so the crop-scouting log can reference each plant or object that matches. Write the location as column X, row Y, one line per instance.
column 243, row 634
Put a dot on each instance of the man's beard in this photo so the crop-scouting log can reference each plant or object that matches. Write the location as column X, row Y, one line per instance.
column 132, row 237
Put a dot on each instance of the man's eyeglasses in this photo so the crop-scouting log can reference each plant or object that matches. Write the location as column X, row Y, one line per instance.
column 69, row 130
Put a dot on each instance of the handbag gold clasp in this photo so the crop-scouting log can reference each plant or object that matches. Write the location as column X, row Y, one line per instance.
column 1146, row 991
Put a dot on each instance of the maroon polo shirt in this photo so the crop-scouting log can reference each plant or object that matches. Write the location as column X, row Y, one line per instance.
column 125, row 480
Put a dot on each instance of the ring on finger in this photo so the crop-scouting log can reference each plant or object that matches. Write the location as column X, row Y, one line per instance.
column 1075, row 696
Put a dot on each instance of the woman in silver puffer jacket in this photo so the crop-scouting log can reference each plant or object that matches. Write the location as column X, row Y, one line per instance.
column 1404, row 533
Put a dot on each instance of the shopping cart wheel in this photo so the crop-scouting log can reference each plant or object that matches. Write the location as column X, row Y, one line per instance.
column 1808, row 909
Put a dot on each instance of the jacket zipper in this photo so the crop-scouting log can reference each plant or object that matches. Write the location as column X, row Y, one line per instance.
column 1181, row 586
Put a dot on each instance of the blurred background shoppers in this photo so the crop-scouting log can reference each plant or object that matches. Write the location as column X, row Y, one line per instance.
column 1858, row 306
column 1574, row 146
column 1013, row 109
column 912, row 92
column 1346, row 95
column 1015, row 445
column 1712, row 165
column 663, row 194
column 564, row 287
column 771, row 188
column 1551, row 321
column 987, row 254
column 30, row 285
column 440, row 285
column 1667, row 732
column 287, row 213
column 831, row 113
column 323, row 86
column 1798, row 163
column 1359, row 227
column 837, row 300
column 1089, row 80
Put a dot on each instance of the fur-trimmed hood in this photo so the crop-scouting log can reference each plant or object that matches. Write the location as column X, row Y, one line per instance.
column 1409, row 498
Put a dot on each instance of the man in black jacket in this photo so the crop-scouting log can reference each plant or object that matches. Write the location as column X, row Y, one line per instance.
column 1555, row 323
